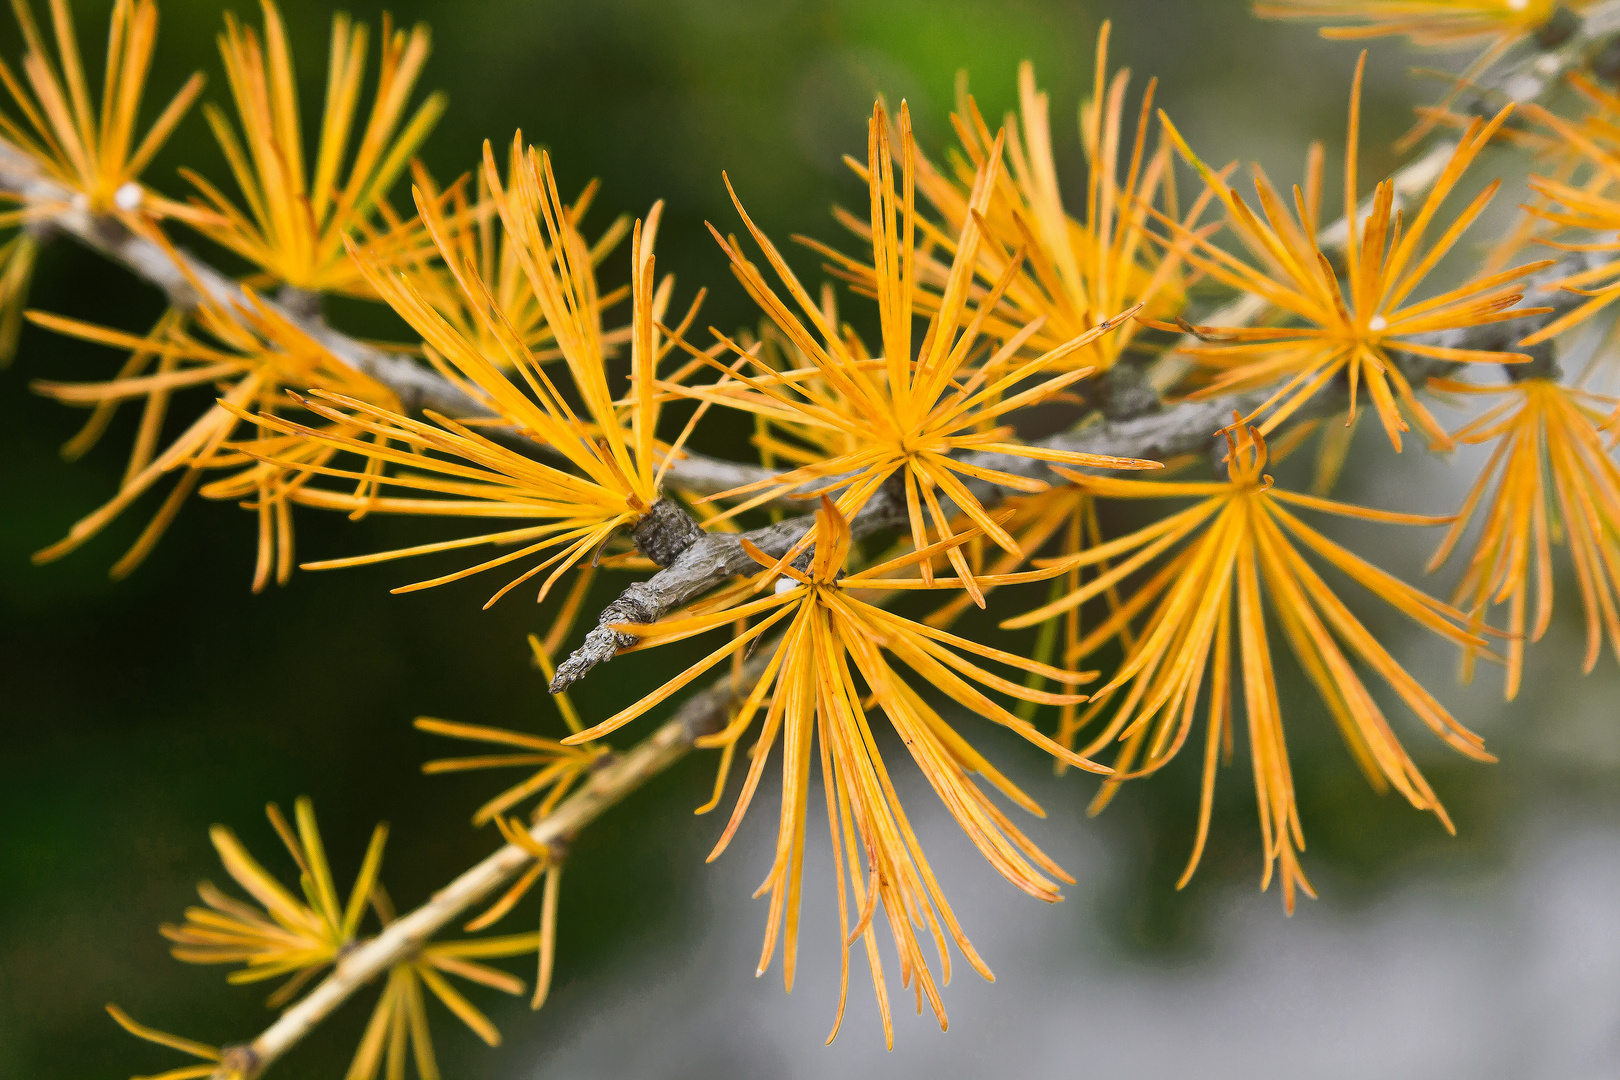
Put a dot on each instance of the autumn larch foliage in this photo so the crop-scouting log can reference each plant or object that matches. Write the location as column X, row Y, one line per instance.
column 886, row 467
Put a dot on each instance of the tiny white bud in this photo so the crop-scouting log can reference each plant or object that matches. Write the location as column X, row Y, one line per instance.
column 785, row 584
column 1518, row 5
column 128, row 197
column 1377, row 323
column 80, row 202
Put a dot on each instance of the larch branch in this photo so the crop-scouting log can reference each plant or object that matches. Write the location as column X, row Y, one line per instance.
column 702, row 714
column 186, row 281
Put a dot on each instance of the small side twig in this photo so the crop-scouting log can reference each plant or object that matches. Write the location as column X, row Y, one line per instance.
column 702, row 714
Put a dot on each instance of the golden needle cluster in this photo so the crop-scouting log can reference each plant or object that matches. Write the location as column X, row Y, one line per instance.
column 304, row 932
column 1357, row 329
column 912, row 452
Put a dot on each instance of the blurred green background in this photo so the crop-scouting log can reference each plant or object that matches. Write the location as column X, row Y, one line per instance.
column 138, row 713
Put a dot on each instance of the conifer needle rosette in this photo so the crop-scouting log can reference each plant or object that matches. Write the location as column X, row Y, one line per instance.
column 1359, row 329
column 908, row 413
column 611, row 464
column 1550, row 478
column 1589, row 206
column 1213, row 568
column 1077, row 268
column 471, row 226
column 824, row 668
column 296, row 221
column 95, row 153
column 559, row 768
column 303, row 933
column 92, row 151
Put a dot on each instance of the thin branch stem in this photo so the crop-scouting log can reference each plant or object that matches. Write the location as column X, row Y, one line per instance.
column 51, row 207
column 702, row 714
column 1186, row 427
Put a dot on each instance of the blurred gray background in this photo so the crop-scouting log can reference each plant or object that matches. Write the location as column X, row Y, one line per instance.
column 138, row 713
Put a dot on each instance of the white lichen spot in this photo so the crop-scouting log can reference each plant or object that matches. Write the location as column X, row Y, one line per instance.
column 128, row 197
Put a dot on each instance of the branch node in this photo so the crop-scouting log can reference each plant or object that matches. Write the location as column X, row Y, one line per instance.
column 1124, row 392
column 240, row 1062
column 1544, row 364
column 665, row 532
column 1560, row 26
